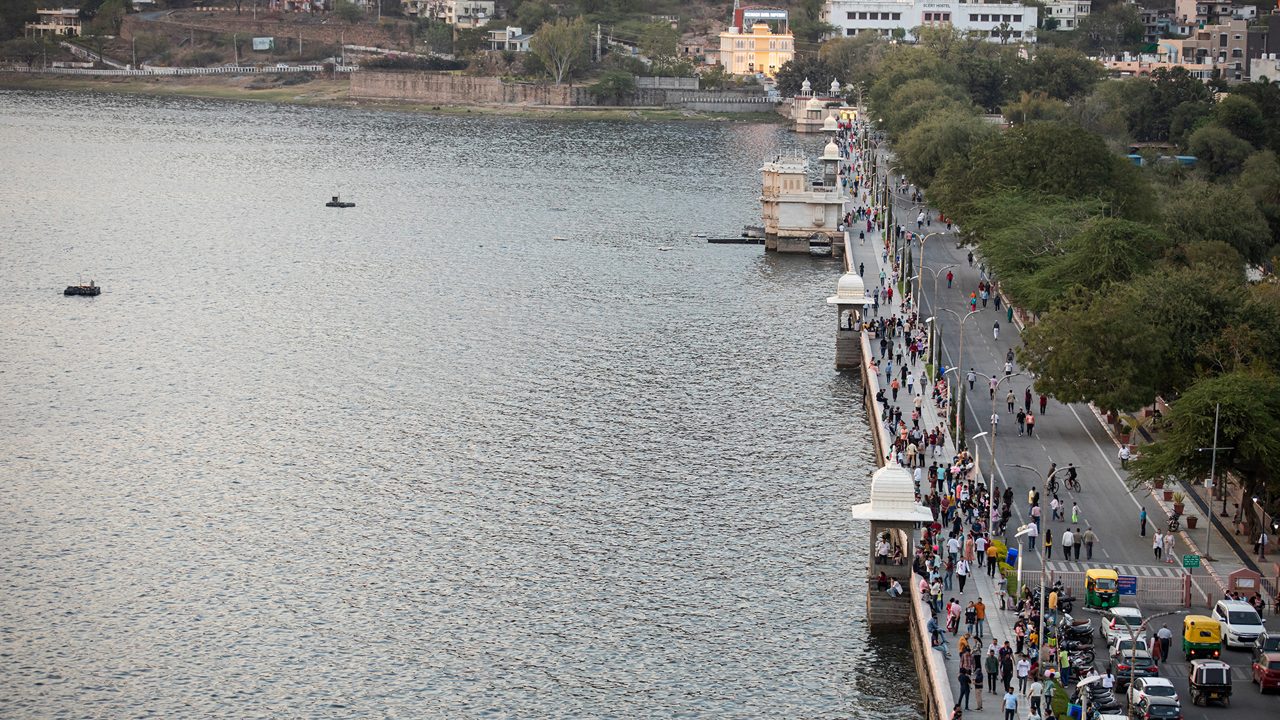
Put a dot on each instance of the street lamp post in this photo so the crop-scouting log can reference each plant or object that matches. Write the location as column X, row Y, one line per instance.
column 1213, row 468
column 935, row 282
column 960, row 364
column 1023, row 532
column 993, row 418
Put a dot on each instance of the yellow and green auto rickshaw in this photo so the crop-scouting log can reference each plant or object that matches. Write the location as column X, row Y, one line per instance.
column 1201, row 637
column 1100, row 589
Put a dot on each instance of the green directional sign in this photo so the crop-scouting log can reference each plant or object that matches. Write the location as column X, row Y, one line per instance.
column 1190, row 561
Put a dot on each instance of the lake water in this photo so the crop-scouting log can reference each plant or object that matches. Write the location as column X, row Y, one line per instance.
column 417, row 458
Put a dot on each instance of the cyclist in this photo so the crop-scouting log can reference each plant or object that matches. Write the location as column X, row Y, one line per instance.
column 1072, row 482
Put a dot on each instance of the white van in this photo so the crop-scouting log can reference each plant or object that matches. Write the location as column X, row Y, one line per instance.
column 1240, row 622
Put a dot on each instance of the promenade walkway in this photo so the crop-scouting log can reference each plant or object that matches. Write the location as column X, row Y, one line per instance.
column 1063, row 434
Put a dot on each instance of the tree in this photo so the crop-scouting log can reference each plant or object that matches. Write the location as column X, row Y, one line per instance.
column 1048, row 158
column 940, row 137
column 532, row 14
column 853, row 59
column 807, row 24
column 1218, row 152
column 613, row 87
column 108, row 19
column 14, row 14
column 1247, row 406
column 1260, row 180
column 659, row 42
column 915, row 99
column 1061, row 73
column 714, row 78
column 469, row 41
column 349, row 11
column 794, row 72
column 1032, row 107
column 1111, row 30
column 1168, row 89
column 1204, row 212
column 439, row 38
column 562, row 46
column 1241, row 116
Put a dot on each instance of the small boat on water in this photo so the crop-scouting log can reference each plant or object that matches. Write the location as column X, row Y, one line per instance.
column 337, row 202
column 90, row 290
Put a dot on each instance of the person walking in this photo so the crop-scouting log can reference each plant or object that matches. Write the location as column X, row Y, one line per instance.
column 861, row 267
column 979, row 617
column 1048, row 543
column 995, row 330
column 1079, row 540
column 1009, row 400
column 992, row 665
column 1024, row 669
column 1075, row 512
column 1142, row 521
column 995, row 422
column 1090, row 537
column 1026, row 400
column 1157, row 545
column 971, row 265
column 1170, row 541
column 1044, row 401
column 972, row 377
column 1260, row 545
column 1010, row 704
column 1031, row 425
column 1068, row 539
column 1022, row 423
column 950, row 276
column 962, row 574
column 1034, row 691
column 1124, row 455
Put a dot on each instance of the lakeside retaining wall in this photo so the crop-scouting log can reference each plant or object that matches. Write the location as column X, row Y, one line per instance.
column 442, row 88
column 935, row 688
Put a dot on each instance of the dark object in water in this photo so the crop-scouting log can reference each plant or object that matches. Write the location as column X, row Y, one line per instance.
column 335, row 202
column 91, row 290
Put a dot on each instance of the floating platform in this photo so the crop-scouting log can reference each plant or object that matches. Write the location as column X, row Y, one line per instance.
column 736, row 241
column 338, row 203
column 90, row 290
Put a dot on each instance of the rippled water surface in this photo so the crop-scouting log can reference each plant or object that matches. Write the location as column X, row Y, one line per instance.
column 417, row 458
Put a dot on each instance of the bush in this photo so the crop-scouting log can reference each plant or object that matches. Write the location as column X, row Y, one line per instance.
column 614, row 86
column 402, row 62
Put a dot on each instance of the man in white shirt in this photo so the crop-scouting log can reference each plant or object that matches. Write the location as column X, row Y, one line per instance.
column 1068, row 539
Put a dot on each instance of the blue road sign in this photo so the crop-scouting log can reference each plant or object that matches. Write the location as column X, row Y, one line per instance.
column 1127, row 584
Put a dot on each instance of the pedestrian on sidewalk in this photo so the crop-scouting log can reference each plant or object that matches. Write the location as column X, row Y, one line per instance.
column 1260, row 545
column 986, row 294
column 992, row 665
column 1031, row 425
column 1024, row 669
column 1090, row 537
column 991, row 387
column 1026, row 399
column 1008, row 368
column 1068, row 540
column 950, row 276
column 1170, row 540
column 971, row 377
column 979, row 617
column 962, row 574
column 1157, row 545
column 1022, row 423
column 1048, row 543
column 995, row 329
column 970, row 258
column 1075, row 513
column 1009, row 400
column 1034, row 690
column 995, row 422
column 964, row 681
column 1079, row 540
column 1124, row 457
column 1044, row 401
column 1010, row 704
column 1142, row 521
column 861, row 267
column 996, row 299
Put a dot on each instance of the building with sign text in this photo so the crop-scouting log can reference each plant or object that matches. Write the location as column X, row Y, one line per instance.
column 995, row 21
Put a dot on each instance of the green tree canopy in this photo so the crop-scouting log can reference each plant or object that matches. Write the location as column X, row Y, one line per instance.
column 1248, row 408
column 1047, row 158
column 14, row 14
column 1061, row 73
column 794, row 72
column 1242, row 117
column 942, row 136
column 1151, row 118
column 1218, row 152
column 562, row 46
column 1198, row 211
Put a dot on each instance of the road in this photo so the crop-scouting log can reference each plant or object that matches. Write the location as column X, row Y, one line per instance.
column 1063, row 434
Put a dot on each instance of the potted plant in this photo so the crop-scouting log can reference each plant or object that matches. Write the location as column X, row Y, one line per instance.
column 1191, row 522
column 1158, row 483
column 1179, row 500
column 1168, row 495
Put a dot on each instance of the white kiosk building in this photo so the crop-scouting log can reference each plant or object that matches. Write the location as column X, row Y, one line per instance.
column 894, row 514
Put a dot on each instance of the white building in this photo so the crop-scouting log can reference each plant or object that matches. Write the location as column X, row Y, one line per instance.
column 463, row 14
column 59, row 21
column 995, row 21
column 798, row 209
column 510, row 38
column 1068, row 13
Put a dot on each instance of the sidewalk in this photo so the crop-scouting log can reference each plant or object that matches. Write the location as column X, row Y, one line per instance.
column 979, row 585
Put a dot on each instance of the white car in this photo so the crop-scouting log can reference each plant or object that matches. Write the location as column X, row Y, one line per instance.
column 1113, row 623
column 1152, row 687
column 1240, row 622
column 1127, row 643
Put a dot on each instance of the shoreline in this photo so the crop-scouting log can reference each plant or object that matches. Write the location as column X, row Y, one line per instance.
column 336, row 94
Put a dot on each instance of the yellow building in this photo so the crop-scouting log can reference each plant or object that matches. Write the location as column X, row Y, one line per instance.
column 760, row 51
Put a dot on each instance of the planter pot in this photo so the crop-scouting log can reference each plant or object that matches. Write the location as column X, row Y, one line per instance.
column 1158, row 483
column 1191, row 522
column 1168, row 495
column 1124, row 438
column 1178, row 508
column 1112, row 417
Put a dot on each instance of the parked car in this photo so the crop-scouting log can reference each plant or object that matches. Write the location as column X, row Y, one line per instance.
column 1268, row 641
column 1144, row 687
column 1113, row 623
column 1133, row 664
column 1157, row 708
column 1266, row 670
column 1241, row 625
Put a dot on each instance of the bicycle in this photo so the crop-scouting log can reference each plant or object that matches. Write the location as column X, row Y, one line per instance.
column 1073, row 484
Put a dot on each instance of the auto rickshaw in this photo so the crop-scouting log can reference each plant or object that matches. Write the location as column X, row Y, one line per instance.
column 1100, row 589
column 1210, row 680
column 1201, row 637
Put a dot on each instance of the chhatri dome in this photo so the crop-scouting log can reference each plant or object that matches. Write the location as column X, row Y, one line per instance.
column 830, row 124
column 805, row 87
column 850, row 290
column 813, row 104
column 835, row 87
column 893, row 498
column 831, row 151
